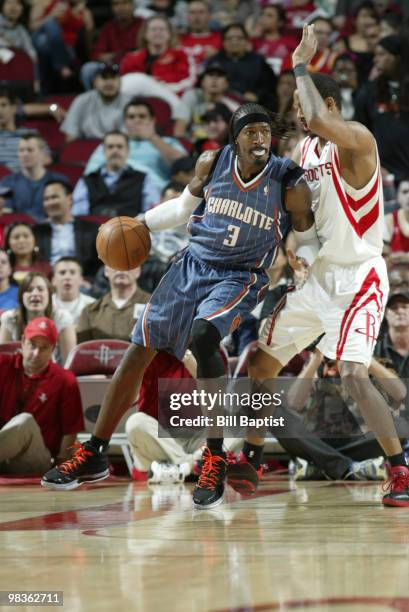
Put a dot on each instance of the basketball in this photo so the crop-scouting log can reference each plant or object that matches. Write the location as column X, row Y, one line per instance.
column 123, row 243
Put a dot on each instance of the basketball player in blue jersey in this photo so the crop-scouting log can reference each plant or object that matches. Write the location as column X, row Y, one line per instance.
column 240, row 205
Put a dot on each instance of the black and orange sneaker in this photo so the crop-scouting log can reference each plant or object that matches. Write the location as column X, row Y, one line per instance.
column 209, row 490
column 86, row 465
column 242, row 476
column 398, row 485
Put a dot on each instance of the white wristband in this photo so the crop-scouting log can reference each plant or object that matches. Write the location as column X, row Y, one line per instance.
column 172, row 213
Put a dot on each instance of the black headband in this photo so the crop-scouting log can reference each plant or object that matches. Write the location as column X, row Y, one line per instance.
column 250, row 118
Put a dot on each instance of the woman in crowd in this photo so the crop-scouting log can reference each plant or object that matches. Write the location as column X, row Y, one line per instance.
column 20, row 244
column 34, row 300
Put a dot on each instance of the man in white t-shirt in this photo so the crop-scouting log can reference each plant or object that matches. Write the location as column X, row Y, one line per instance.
column 67, row 280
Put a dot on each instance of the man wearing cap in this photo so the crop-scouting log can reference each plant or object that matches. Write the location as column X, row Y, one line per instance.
column 212, row 88
column 98, row 111
column 394, row 343
column 40, row 403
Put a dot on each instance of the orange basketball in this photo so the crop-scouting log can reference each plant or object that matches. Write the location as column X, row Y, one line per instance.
column 123, row 243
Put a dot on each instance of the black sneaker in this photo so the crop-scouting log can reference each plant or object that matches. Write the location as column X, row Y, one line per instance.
column 208, row 492
column 86, row 465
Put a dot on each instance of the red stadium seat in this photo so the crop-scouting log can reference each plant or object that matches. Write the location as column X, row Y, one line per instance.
column 4, row 171
column 96, row 357
column 64, row 100
column 18, row 71
column 78, row 151
column 162, row 113
column 72, row 171
column 9, row 348
column 49, row 130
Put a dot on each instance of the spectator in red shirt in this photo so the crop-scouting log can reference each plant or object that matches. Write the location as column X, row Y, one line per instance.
column 159, row 59
column 199, row 43
column 270, row 40
column 40, row 404
column 117, row 37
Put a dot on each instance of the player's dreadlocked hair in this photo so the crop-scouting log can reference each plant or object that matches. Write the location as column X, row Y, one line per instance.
column 256, row 113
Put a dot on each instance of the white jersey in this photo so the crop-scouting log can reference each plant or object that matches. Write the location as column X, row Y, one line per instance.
column 349, row 221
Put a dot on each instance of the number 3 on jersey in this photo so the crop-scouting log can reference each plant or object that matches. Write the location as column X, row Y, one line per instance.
column 233, row 236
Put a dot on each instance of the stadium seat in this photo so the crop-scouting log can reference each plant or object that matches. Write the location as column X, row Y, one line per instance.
column 9, row 348
column 72, row 171
column 49, row 130
column 78, row 151
column 64, row 100
column 96, row 357
column 4, row 171
column 18, row 73
column 162, row 113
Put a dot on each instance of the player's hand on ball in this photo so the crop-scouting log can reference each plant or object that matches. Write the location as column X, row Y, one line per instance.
column 307, row 48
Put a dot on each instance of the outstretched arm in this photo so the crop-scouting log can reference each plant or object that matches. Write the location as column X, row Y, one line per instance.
column 326, row 123
column 177, row 211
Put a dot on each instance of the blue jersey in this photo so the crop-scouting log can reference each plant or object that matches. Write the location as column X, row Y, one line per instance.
column 239, row 224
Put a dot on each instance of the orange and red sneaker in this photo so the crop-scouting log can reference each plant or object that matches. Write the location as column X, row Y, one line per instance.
column 209, row 490
column 242, row 476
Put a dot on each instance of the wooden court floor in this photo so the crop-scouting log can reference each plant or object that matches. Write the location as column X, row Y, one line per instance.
column 126, row 546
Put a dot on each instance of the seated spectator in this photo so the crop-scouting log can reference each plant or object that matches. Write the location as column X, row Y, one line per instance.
column 67, row 281
column 346, row 75
column 390, row 23
column 182, row 171
column 94, row 113
column 35, row 300
column 199, row 43
column 115, row 314
column 247, row 72
column 27, row 185
column 356, row 43
column 62, row 235
column 329, row 442
column 270, row 40
column 212, row 89
column 13, row 33
column 286, row 87
column 160, row 58
column 117, row 37
column 40, row 404
column 397, row 227
column 8, row 289
column 383, row 105
column 148, row 152
column 324, row 58
column 216, row 124
column 116, row 188
column 163, row 459
column 393, row 342
column 9, row 134
column 57, row 28
column 25, row 256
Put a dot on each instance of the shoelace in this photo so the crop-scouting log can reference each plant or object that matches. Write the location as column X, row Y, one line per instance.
column 79, row 457
column 396, row 482
column 210, row 471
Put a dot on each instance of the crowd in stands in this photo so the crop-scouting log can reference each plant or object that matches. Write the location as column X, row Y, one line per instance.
column 124, row 97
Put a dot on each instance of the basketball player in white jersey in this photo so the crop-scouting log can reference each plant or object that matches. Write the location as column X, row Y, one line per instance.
column 346, row 291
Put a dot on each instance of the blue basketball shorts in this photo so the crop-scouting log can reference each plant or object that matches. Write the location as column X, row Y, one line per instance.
column 193, row 289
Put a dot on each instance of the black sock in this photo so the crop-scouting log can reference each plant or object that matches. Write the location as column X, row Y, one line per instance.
column 253, row 453
column 99, row 444
column 215, row 445
column 398, row 459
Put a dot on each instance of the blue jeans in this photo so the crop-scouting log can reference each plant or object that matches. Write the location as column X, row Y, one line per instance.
column 53, row 53
column 87, row 74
